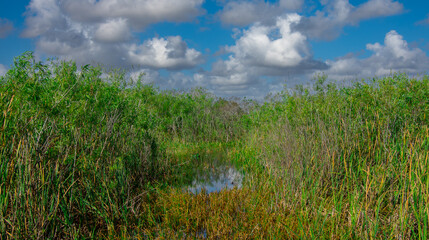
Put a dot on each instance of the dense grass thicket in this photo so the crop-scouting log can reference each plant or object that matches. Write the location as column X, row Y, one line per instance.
column 85, row 154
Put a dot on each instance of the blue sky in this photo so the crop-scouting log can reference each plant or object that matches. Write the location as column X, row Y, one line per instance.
column 232, row 48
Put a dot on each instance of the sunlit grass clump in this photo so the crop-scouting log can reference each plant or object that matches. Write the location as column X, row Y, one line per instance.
column 87, row 154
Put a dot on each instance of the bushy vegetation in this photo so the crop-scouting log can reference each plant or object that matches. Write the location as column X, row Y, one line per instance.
column 353, row 161
column 85, row 154
column 77, row 152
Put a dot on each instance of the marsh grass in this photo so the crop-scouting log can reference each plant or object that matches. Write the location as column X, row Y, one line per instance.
column 85, row 156
column 78, row 152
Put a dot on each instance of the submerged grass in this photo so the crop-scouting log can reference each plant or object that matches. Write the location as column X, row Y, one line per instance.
column 83, row 156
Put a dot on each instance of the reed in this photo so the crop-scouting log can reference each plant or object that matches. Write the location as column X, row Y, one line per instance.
column 89, row 154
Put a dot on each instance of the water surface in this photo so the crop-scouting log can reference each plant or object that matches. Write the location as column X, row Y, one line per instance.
column 215, row 177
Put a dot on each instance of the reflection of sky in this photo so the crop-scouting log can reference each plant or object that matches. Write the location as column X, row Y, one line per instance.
column 216, row 179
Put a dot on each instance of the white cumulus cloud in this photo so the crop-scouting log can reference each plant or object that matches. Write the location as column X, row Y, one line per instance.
column 169, row 53
column 393, row 56
column 114, row 30
column 328, row 23
column 291, row 4
column 89, row 31
column 244, row 13
column 43, row 16
column 140, row 13
column 262, row 52
column 259, row 46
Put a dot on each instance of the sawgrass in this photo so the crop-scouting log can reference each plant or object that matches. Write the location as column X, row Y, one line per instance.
column 90, row 155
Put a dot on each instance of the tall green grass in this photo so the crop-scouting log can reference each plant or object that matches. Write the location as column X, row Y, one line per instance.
column 79, row 151
column 90, row 154
column 353, row 160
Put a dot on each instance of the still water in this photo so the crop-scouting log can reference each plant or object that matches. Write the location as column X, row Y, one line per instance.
column 215, row 177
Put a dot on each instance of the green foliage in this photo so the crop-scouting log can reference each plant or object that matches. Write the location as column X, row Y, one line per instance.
column 361, row 150
column 88, row 154
column 77, row 150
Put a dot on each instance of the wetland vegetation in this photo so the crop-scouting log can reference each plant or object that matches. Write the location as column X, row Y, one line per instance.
column 83, row 155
